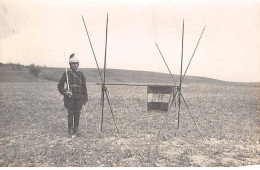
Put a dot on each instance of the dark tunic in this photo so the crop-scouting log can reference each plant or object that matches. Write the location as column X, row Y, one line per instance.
column 78, row 88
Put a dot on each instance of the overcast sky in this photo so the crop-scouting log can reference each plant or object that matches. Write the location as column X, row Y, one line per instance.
column 40, row 31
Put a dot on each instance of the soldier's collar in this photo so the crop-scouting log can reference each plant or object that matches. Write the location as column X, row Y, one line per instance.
column 72, row 71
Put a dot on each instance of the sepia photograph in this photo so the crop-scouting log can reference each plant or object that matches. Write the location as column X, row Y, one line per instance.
column 129, row 83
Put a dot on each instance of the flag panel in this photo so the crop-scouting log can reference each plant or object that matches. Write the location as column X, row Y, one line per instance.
column 158, row 97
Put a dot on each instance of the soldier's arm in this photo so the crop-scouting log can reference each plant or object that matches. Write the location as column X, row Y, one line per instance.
column 61, row 84
column 84, row 87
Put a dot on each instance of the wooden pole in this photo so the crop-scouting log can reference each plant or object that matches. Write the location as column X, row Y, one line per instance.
column 179, row 97
column 104, row 75
column 165, row 62
column 93, row 51
column 193, row 54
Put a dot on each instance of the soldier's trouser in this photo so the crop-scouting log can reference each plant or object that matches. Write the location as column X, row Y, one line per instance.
column 74, row 106
column 73, row 120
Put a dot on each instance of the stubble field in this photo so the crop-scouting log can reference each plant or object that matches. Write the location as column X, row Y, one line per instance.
column 33, row 128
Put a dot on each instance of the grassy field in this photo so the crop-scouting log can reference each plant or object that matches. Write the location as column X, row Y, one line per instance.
column 33, row 128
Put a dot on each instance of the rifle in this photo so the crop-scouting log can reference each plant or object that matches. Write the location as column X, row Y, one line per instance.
column 68, row 85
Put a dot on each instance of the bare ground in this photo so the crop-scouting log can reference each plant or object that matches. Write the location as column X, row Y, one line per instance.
column 33, row 128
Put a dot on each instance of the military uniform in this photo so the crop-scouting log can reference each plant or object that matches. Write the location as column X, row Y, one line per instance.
column 74, row 103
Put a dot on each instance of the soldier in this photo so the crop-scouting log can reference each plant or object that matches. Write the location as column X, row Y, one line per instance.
column 75, row 94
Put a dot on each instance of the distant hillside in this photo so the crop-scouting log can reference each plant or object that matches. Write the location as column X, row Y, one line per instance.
column 125, row 76
column 18, row 73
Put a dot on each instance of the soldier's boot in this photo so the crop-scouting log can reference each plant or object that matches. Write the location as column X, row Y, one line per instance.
column 70, row 125
column 76, row 125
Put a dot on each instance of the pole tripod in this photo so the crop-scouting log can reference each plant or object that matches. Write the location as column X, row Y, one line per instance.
column 104, row 91
column 178, row 93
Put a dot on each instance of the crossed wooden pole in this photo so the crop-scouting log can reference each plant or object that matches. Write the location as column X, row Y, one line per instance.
column 104, row 91
column 178, row 94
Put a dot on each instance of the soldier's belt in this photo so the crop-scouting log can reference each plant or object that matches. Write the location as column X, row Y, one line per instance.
column 75, row 85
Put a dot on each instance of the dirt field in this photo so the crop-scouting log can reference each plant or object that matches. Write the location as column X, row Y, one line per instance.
column 33, row 128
